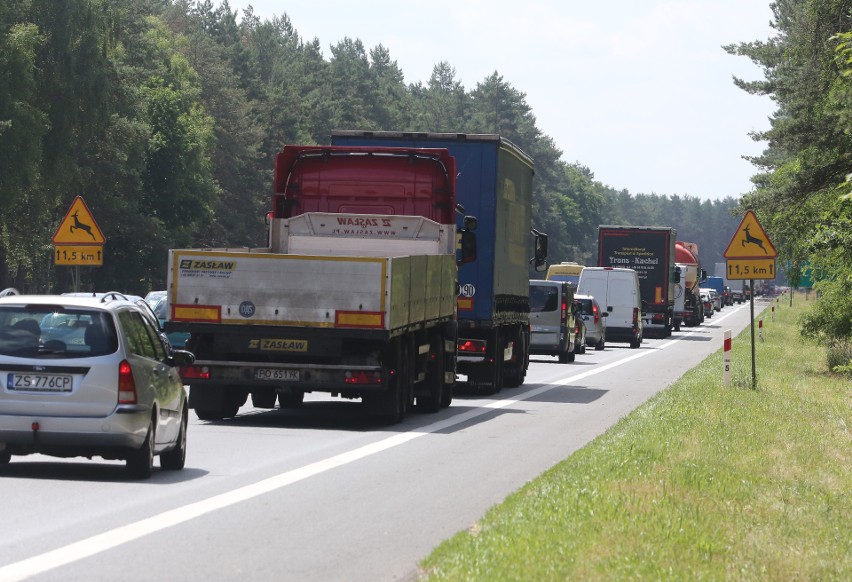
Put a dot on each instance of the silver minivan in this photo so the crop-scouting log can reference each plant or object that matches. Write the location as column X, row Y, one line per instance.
column 617, row 291
column 552, row 319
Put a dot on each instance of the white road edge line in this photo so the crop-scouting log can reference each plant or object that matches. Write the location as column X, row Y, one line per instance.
column 96, row 544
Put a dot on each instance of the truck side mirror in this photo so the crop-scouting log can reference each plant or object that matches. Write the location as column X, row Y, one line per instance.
column 540, row 254
column 467, row 247
column 677, row 275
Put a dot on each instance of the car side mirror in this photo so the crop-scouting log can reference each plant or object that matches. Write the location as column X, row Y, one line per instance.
column 182, row 358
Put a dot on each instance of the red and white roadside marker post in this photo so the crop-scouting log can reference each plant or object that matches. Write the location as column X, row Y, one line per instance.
column 727, row 359
column 773, row 313
column 760, row 329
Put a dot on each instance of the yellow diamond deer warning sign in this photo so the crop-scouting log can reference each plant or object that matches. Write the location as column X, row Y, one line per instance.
column 750, row 241
column 78, row 227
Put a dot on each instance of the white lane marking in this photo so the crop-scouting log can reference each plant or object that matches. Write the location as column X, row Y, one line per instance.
column 96, row 544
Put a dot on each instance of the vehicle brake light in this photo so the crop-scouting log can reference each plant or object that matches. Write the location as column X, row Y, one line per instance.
column 635, row 316
column 564, row 310
column 596, row 312
column 126, row 384
column 198, row 372
column 472, row 346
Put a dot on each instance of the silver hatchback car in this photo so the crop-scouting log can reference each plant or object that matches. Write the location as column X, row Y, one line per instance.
column 90, row 376
column 594, row 318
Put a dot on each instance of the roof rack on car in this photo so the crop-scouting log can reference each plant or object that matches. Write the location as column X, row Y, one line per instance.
column 9, row 291
column 113, row 295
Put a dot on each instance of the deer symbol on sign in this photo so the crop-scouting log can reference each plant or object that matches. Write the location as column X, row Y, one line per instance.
column 80, row 226
column 752, row 239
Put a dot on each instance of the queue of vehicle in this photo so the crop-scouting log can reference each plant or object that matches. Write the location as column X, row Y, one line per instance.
column 645, row 282
column 376, row 284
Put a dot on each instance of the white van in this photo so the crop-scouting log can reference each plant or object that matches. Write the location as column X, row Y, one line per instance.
column 617, row 292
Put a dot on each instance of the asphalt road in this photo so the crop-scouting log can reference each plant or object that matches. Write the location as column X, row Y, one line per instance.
column 318, row 493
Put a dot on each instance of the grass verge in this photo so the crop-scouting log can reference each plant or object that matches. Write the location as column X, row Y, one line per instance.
column 703, row 482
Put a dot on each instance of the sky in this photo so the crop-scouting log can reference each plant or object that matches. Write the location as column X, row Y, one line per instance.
column 638, row 91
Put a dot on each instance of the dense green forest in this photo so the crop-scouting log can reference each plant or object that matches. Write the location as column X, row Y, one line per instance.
column 166, row 116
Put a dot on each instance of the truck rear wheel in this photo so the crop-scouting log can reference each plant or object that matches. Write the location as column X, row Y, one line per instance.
column 216, row 402
column 430, row 399
column 447, row 395
column 494, row 374
column 291, row 399
column 263, row 397
column 390, row 407
column 514, row 372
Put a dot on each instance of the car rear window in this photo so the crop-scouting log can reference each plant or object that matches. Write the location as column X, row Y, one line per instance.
column 53, row 331
column 585, row 306
column 543, row 298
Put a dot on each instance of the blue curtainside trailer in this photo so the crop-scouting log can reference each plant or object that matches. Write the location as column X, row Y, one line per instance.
column 494, row 184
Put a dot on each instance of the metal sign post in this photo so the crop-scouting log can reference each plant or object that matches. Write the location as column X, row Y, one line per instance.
column 753, row 365
column 750, row 255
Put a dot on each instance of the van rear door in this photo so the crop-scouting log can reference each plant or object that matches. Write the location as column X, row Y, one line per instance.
column 545, row 315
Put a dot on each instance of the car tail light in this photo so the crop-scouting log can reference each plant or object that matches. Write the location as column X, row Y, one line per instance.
column 564, row 309
column 635, row 316
column 198, row 372
column 126, row 384
column 596, row 312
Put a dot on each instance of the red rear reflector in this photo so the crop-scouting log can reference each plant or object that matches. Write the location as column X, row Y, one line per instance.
column 362, row 377
column 126, row 384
